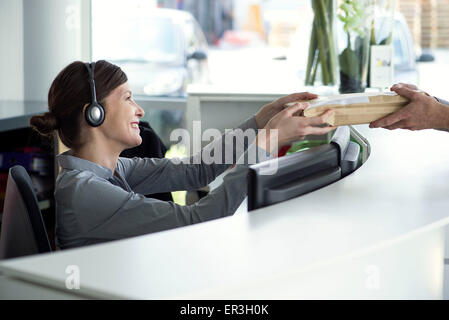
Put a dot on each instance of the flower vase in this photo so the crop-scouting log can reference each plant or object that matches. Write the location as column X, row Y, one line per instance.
column 355, row 16
column 322, row 57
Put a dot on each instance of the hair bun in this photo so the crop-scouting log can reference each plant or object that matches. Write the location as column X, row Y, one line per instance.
column 45, row 124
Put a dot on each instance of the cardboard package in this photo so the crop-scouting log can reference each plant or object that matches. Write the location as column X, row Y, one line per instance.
column 356, row 108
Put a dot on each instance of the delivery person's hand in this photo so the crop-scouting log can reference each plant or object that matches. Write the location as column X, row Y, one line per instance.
column 423, row 112
column 287, row 126
column 268, row 111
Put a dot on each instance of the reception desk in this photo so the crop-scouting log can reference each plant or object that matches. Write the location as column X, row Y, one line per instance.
column 379, row 233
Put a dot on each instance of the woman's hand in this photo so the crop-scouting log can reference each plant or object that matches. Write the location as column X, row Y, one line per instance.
column 286, row 127
column 268, row 111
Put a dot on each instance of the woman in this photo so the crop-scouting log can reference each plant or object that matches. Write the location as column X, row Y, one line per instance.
column 99, row 195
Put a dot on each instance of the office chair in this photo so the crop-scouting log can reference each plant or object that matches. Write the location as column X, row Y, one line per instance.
column 23, row 231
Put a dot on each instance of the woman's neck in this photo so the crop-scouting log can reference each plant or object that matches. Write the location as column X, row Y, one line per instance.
column 98, row 153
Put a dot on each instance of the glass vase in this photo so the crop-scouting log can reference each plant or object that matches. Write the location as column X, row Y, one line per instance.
column 322, row 64
column 355, row 22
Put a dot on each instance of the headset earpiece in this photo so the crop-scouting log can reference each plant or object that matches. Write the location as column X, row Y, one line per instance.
column 94, row 113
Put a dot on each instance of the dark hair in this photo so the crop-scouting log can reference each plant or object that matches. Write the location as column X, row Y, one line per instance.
column 68, row 94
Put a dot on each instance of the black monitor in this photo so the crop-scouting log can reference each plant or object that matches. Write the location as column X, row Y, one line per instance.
column 302, row 172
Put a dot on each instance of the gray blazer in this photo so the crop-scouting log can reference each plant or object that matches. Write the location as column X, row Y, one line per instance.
column 94, row 205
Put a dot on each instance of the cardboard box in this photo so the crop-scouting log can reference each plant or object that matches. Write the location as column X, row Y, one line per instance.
column 356, row 108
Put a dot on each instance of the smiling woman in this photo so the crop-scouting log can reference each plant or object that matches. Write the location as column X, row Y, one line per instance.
column 99, row 195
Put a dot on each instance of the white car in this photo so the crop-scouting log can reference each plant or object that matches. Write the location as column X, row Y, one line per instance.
column 160, row 50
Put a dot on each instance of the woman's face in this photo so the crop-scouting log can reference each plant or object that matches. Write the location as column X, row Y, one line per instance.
column 121, row 124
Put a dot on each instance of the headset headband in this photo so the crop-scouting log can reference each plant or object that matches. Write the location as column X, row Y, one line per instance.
column 91, row 68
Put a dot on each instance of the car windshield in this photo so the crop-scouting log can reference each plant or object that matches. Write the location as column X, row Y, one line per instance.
column 143, row 40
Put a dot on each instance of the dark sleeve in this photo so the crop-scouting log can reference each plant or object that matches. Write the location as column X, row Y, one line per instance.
column 442, row 101
column 447, row 104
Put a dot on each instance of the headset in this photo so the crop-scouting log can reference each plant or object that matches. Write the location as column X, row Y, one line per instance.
column 94, row 113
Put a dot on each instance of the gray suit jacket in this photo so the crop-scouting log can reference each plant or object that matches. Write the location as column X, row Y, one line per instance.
column 94, row 205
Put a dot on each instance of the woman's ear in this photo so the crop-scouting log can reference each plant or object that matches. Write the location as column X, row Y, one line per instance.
column 85, row 107
column 83, row 118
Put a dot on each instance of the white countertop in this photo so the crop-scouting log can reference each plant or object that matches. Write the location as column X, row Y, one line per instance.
column 401, row 191
column 236, row 91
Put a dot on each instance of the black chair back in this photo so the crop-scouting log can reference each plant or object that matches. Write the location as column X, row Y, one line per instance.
column 23, row 230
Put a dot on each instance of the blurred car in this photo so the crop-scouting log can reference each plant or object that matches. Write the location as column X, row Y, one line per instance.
column 161, row 51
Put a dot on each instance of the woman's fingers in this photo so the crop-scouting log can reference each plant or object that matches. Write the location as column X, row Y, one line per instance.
column 296, row 97
column 315, row 121
column 307, row 96
column 291, row 110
